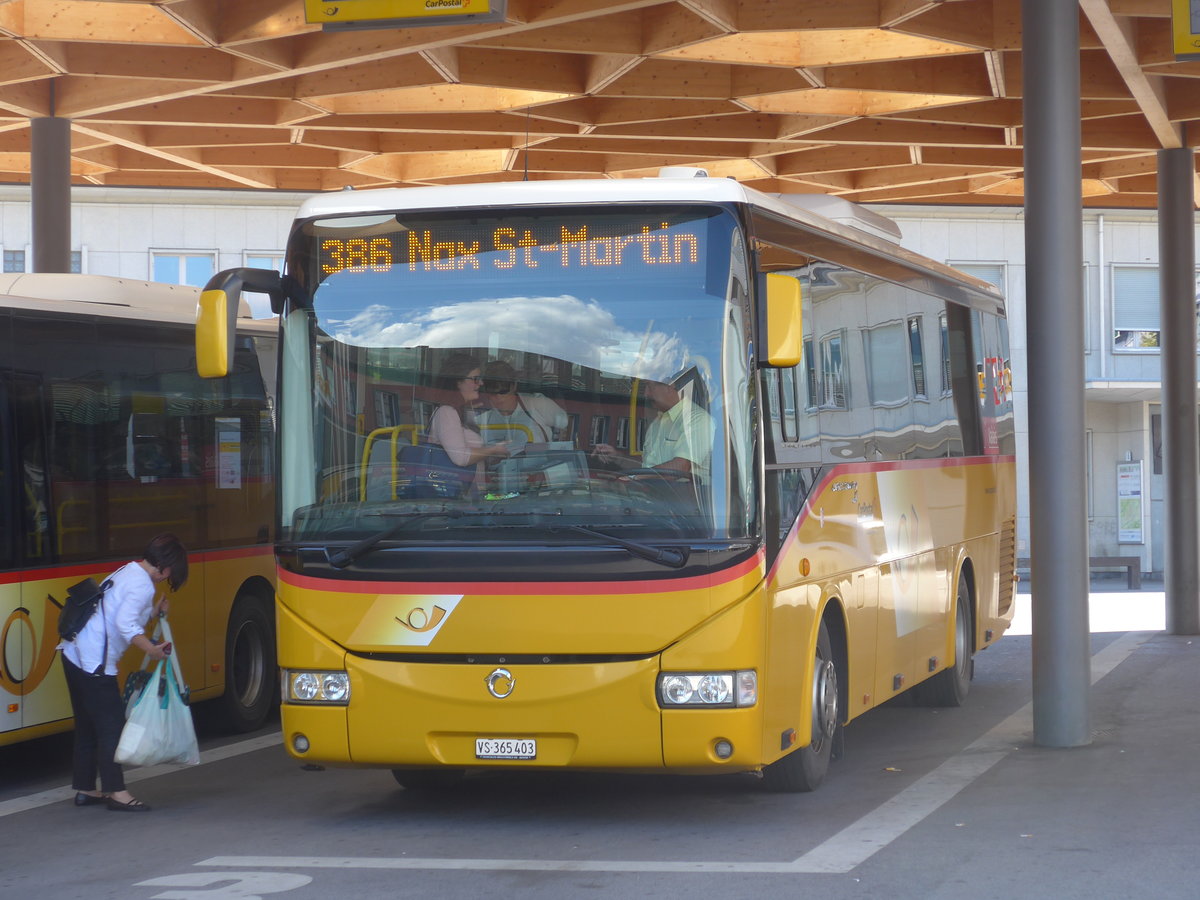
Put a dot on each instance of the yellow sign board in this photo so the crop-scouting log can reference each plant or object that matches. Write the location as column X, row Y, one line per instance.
column 1185, row 21
column 384, row 13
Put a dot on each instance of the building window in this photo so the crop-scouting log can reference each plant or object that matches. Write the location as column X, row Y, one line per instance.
column 833, row 373
column 916, row 352
column 992, row 273
column 183, row 267
column 622, row 442
column 76, row 262
column 810, row 376
column 887, row 359
column 263, row 259
column 387, row 409
column 791, row 415
column 944, row 340
column 1135, row 307
column 14, row 260
column 260, row 304
column 599, row 430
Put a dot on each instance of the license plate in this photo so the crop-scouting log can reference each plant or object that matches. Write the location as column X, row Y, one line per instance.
column 505, row 748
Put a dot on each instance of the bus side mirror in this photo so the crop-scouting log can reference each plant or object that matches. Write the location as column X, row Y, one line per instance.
column 216, row 315
column 782, row 341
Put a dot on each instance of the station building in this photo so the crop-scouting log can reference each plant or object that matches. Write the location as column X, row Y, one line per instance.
column 184, row 236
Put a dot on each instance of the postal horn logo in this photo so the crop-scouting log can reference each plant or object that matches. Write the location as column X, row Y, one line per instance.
column 420, row 621
column 418, row 618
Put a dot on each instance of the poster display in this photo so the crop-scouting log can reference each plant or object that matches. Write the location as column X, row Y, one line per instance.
column 1129, row 503
column 229, row 454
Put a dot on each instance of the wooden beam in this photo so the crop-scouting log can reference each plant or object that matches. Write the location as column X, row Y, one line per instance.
column 620, row 33
column 676, row 26
column 1119, row 40
column 94, row 20
column 183, row 158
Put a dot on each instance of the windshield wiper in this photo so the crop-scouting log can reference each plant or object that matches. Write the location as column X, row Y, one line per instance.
column 347, row 555
column 666, row 556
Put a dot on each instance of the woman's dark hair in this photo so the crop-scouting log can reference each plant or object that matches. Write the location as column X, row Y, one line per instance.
column 167, row 552
column 457, row 367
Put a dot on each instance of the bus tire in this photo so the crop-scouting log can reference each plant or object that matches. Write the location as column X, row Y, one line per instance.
column 250, row 670
column 428, row 779
column 804, row 769
column 949, row 687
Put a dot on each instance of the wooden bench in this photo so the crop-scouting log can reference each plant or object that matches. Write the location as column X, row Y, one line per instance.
column 1131, row 564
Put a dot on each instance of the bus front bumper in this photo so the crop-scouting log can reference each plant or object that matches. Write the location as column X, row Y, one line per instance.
column 594, row 716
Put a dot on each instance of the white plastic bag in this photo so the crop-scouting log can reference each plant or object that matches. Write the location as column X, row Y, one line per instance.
column 159, row 728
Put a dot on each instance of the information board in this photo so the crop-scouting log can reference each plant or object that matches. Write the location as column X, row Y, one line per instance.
column 1129, row 503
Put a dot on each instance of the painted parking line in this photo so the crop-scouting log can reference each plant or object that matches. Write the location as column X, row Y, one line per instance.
column 841, row 853
column 216, row 754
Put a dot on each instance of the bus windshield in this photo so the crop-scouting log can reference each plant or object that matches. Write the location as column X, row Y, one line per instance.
column 523, row 374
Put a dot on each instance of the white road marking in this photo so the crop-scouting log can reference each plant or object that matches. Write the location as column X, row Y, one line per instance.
column 54, row 795
column 840, row 854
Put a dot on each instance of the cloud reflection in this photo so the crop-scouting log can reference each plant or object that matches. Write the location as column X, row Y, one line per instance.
column 565, row 327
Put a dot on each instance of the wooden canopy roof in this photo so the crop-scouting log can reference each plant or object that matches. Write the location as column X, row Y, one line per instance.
column 907, row 101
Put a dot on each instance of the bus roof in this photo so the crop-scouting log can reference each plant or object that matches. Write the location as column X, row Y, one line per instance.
column 154, row 299
column 843, row 223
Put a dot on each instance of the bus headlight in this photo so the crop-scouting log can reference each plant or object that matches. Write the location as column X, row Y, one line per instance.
column 316, row 687
column 708, row 689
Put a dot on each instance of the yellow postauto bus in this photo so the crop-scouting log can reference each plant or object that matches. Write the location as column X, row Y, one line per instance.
column 109, row 437
column 755, row 476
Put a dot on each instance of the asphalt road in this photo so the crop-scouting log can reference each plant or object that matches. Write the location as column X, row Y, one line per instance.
column 925, row 804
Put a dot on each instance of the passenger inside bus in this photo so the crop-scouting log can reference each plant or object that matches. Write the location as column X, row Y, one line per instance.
column 453, row 425
column 517, row 418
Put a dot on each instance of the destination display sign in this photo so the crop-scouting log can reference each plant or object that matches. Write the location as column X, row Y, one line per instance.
column 500, row 248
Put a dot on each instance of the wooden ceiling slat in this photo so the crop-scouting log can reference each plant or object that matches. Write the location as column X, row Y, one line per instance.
column 869, row 99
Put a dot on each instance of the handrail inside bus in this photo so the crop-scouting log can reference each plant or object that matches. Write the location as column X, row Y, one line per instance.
column 393, row 431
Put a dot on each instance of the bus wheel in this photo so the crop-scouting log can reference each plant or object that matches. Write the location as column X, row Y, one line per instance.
column 949, row 687
column 249, row 664
column 428, row 779
column 804, row 769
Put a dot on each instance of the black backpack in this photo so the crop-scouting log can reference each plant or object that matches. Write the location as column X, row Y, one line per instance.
column 83, row 599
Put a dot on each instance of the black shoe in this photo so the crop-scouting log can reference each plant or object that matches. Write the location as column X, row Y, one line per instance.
column 133, row 805
column 82, row 799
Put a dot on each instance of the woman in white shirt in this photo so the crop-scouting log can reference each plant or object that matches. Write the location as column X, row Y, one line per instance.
column 90, row 663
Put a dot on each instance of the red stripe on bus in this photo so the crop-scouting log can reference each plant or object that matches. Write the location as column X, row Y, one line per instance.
column 84, row 569
column 525, row 588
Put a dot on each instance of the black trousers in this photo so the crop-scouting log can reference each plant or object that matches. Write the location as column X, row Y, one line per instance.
column 99, row 719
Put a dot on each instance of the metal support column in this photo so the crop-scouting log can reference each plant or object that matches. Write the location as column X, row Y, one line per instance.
column 1055, row 332
column 50, row 180
column 1177, row 299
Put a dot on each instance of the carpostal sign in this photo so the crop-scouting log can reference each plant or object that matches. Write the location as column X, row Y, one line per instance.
column 400, row 13
column 1185, row 25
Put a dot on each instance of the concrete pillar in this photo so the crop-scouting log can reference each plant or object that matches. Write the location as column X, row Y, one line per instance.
column 1055, row 335
column 50, row 180
column 1177, row 298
